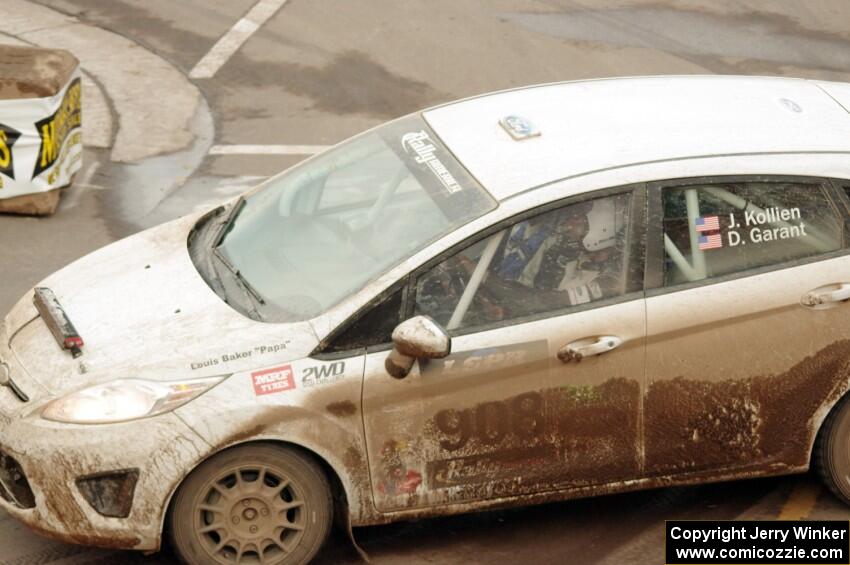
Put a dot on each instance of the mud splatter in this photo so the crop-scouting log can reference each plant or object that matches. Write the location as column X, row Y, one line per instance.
column 57, row 502
column 246, row 434
column 585, row 440
column 598, row 429
column 116, row 542
column 342, row 409
column 693, row 425
column 355, row 464
column 532, row 442
column 357, row 472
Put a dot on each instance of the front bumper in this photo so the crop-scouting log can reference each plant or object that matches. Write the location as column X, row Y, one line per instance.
column 53, row 470
column 55, row 457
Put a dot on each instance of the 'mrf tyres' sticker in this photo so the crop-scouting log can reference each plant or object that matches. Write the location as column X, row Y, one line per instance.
column 271, row 381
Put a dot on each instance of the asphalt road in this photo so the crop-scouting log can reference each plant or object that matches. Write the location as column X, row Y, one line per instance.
column 172, row 120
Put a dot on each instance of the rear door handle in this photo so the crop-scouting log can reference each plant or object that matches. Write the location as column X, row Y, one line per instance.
column 825, row 297
column 588, row 347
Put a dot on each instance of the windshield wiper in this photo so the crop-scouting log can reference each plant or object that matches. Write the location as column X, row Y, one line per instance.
column 228, row 222
column 216, row 249
column 243, row 282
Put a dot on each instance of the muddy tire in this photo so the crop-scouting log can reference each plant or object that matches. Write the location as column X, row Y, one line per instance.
column 249, row 501
column 832, row 450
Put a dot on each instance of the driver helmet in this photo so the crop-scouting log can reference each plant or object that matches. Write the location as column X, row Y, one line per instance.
column 602, row 225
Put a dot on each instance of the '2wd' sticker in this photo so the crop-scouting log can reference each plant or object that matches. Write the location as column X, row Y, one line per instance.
column 273, row 380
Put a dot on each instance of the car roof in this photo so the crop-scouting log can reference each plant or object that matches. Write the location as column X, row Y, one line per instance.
column 591, row 126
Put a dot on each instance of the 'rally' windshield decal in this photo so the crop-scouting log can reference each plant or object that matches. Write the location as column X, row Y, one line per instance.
column 420, row 143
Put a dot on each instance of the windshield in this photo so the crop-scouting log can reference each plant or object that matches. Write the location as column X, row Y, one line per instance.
column 306, row 240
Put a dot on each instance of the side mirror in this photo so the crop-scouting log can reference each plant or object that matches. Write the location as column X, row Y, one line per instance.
column 419, row 337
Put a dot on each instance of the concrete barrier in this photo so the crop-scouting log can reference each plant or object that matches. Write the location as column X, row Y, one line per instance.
column 40, row 127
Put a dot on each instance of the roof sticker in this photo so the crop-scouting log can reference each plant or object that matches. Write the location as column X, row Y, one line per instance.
column 519, row 128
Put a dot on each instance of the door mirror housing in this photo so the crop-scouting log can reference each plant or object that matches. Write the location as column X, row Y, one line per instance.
column 419, row 337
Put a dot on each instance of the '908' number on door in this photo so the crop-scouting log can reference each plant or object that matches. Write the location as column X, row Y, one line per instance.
column 490, row 422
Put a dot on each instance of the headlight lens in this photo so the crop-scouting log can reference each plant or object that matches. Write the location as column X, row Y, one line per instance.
column 125, row 399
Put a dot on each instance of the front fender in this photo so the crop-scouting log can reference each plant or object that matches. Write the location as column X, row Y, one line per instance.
column 308, row 403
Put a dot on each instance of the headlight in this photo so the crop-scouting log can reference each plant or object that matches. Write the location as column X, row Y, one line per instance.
column 125, row 399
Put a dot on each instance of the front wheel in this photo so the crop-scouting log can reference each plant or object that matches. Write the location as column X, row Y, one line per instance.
column 252, row 504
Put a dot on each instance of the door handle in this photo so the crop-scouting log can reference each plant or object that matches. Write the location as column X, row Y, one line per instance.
column 826, row 298
column 588, row 347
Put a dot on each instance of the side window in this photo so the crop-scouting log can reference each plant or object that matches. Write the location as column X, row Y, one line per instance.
column 568, row 256
column 375, row 327
column 846, row 188
column 712, row 230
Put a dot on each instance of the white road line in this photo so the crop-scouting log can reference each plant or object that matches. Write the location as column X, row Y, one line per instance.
column 231, row 41
column 74, row 194
column 226, row 189
column 90, row 172
column 267, row 149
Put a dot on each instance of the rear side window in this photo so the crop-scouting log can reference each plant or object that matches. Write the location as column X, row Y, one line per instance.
column 846, row 189
column 712, row 230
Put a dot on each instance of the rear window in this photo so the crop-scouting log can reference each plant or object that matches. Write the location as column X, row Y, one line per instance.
column 713, row 230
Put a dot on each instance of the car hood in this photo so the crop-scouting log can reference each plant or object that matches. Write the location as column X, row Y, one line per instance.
column 144, row 312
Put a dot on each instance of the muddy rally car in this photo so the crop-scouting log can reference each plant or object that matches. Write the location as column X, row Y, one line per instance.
column 534, row 295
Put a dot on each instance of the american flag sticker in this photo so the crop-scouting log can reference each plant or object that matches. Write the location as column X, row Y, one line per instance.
column 274, row 380
column 707, row 223
column 712, row 241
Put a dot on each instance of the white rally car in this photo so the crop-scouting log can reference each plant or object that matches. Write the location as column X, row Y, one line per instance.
column 539, row 294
